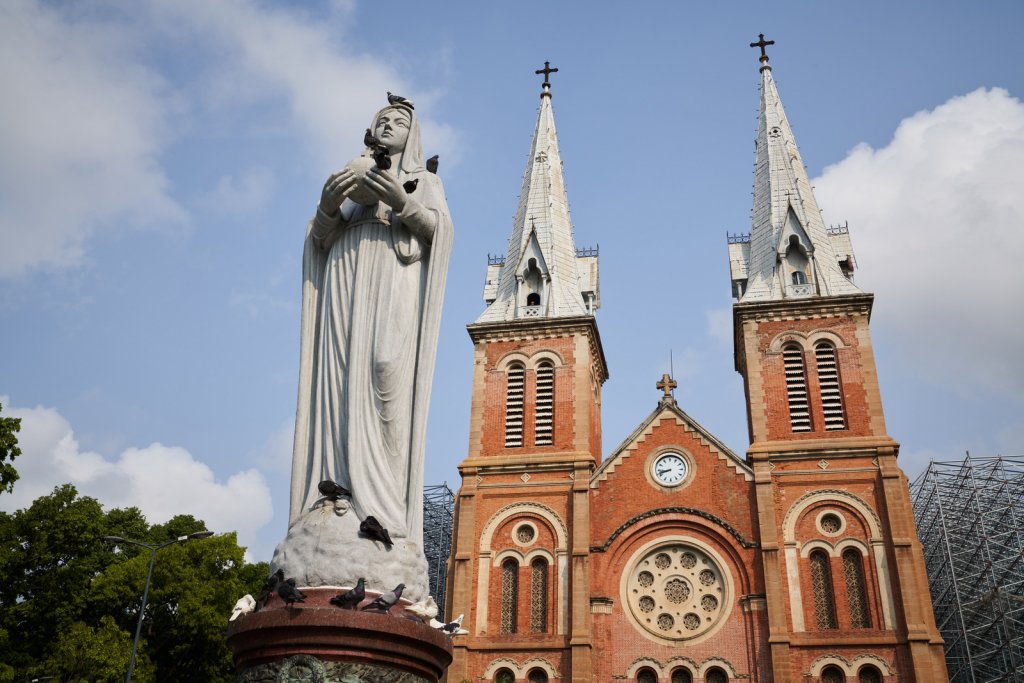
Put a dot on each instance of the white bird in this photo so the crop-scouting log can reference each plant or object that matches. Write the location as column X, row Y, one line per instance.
column 426, row 609
column 453, row 628
column 245, row 605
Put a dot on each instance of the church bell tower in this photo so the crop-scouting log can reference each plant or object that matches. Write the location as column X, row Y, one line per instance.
column 845, row 582
column 522, row 511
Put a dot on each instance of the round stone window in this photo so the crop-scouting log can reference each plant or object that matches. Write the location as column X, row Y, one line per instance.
column 524, row 534
column 831, row 523
column 676, row 591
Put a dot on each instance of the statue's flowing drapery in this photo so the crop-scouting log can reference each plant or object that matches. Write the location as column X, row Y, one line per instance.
column 373, row 284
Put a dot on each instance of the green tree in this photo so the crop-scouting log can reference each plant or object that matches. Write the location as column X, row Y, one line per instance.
column 9, row 428
column 84, row 654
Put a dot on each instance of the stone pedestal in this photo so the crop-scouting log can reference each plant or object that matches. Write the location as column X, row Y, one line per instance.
column 316, row 642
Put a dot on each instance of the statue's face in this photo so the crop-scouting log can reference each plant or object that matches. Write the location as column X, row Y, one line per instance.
column 393, row 129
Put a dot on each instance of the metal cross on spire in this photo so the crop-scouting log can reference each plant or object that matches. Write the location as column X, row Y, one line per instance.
column 761, row 43
column 547, row 71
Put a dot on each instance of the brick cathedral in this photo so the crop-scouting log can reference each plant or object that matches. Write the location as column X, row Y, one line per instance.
column 674, row 559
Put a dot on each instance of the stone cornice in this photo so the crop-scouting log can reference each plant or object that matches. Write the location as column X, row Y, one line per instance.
column 535, row 462
column 805, row 308
column 849, row 446
column 527, row 329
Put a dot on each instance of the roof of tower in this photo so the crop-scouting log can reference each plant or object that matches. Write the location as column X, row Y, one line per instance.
column 541, row 248
column 784, row 206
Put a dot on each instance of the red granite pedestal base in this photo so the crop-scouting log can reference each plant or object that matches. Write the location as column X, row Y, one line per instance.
column 318, row 642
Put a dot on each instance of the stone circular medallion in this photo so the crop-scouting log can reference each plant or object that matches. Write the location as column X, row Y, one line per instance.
column 676, row 591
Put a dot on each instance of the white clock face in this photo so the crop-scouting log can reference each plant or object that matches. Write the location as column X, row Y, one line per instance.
column 670, row 469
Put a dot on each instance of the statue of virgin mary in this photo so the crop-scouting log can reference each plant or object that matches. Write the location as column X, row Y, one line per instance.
column 373, row 283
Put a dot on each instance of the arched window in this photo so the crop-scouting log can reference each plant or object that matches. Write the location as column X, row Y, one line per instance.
column 544, row 415
column 856, row 595
column 646, row 675
column 514, row 406
column 681, row 675
column 533, row 299
column 509, row 595
column 539, row 595
column 831, row 390
column 821, row 583
column 869, row 674
column 799, row 278
column 537, row 676
column 832, row 674
column 716, row 675
column 504, row 676
column 796, row 387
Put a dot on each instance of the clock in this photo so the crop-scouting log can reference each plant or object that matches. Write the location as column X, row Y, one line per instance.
column 670, row 469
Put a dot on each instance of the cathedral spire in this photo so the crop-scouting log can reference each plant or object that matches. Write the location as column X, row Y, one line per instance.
column 542, row 274
column 790, row 253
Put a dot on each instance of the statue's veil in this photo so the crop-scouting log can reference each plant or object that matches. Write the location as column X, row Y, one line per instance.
column 412, row 155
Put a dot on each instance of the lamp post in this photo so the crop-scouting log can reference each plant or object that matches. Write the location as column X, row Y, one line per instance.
column 149, row 576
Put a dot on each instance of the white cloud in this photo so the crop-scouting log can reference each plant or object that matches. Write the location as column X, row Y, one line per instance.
column 80, row 131
column 160, row 480
column 243, row 195
column 937, row 219
column 720, row 325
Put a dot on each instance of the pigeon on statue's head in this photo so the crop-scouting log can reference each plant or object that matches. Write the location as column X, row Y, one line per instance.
column 372, row 528
column 398, row 99
column 351, row 599
column 387, row 600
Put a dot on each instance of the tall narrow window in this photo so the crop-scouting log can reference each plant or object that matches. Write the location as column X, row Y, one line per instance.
column 868, row 674
column 509, row 595
column 539, row 595
column 514, row 407
column 545, row 403
column 796, row 388
column 821, row 583
column 832, row 674
column 831, row 391
column 853, row 572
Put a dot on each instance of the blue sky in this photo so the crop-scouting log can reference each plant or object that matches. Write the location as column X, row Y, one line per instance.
column 161, row 159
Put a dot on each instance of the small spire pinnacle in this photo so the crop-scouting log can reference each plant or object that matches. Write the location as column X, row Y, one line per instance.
column 761, row 43
column 546, row 86
column 666, row 384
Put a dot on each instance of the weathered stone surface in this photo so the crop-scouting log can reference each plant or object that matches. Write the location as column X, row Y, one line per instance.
column 307, row 669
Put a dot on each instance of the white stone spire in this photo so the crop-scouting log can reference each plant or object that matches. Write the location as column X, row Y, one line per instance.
column 790, row 253
column 542, row 276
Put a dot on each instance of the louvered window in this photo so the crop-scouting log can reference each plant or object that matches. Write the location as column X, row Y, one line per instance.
column 869, row 674
column 509, row 595
column 833, row 674
column 539, row 595
column 821, row 584
column 853, row 572
column 514, row 407
column 796, row 388
column 831, row 391
column 545, row 403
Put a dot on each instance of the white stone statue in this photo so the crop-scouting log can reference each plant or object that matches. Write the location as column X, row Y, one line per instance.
column 373, row 283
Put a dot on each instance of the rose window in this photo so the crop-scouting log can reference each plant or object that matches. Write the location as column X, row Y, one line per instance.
column 676, row 592
column 525, row 534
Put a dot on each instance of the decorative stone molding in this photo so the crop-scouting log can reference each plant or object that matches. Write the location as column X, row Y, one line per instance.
column 703, row 514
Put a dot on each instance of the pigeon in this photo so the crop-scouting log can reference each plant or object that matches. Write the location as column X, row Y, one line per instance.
column 455, row 627
column 387, row 600
column 332, row 491
column 381, row 157
column 351, row 599
column 424, row 609
column 369, row 140
column 432, row 163
column 410, row 185
column 372, row 528
column 289, row 593
column 245, row 605
column 398, row 99
column 269, row 588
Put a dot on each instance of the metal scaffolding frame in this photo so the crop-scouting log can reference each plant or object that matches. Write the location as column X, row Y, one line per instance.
column 968, row 515
column 438, row 518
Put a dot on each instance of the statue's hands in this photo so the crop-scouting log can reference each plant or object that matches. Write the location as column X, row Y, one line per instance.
column 337, row 187
column 387, row 187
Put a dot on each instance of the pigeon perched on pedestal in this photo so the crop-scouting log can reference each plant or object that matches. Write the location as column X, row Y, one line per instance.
column 387, row 600
column 245, row 605
column 351, row 599
column 424, row 609
column 455, row 627
column 332, row 491
column 289, row 593
column 372, row 528
column 269, row 588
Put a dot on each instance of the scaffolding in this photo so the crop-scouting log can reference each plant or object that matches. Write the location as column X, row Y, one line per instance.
column 438, row 516
column 969, row 515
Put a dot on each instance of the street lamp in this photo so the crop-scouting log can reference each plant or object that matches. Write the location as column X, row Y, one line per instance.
column 149, row 576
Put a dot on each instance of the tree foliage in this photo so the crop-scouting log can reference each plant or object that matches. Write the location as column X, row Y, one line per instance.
column 9, row 428
column 69, row 601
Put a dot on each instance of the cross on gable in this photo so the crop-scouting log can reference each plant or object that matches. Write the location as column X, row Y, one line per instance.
column 761, row 43
column 666, row 384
